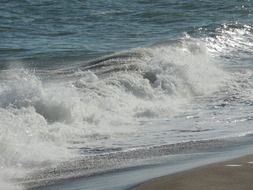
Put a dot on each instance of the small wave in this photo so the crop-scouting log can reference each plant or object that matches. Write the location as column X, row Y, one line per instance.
column 12, row 50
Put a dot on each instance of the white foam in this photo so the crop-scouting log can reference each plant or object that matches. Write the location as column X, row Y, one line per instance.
column 233, row 165
column 40, row 120
column 6, row 183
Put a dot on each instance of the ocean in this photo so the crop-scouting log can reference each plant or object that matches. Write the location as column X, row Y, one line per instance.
column 108, row 84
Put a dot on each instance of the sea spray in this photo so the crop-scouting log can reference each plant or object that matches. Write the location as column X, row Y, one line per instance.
column 44, row 119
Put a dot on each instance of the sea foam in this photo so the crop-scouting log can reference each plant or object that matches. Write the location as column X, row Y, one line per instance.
column 45, row 119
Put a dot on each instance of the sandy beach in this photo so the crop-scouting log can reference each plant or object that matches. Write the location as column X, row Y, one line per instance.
column 235, row 174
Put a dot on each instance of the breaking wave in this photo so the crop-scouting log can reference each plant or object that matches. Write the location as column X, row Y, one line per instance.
column 54, row 115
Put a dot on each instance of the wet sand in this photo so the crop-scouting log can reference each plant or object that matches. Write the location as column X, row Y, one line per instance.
column 235, row 174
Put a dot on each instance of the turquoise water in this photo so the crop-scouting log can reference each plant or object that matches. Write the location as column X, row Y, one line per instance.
column 108, row 82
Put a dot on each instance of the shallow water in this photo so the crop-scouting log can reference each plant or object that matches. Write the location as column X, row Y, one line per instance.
column 91, row 78
column 164, row 165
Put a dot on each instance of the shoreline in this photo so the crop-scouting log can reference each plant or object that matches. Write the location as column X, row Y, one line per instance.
column 130, row 178
column 227, row 175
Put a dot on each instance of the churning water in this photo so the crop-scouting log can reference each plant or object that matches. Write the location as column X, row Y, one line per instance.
column 81, row 79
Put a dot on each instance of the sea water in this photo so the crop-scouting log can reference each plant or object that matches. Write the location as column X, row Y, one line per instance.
column 81, row 79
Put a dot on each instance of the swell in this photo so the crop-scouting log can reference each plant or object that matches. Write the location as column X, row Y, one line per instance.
column 231, row 41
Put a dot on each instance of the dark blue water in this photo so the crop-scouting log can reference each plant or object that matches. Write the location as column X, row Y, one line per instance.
column 45, row 30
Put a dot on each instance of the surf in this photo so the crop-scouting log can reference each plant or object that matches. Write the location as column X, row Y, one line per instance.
column 53, row 115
